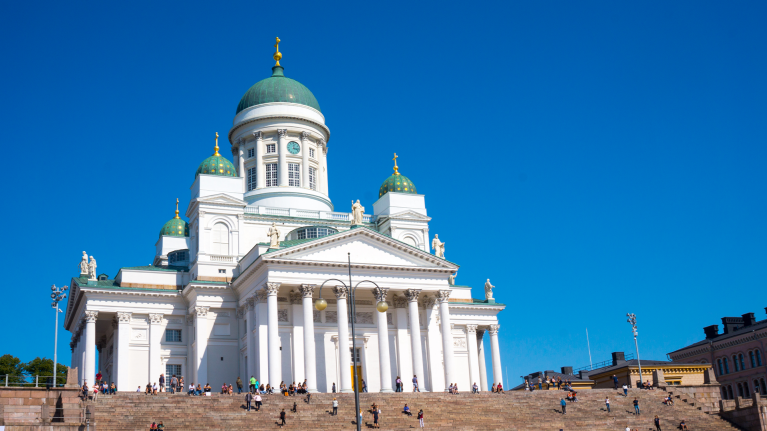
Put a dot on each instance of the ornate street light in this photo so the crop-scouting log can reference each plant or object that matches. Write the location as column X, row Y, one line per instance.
column 57, row 294
column 632, row 319
column 320, row 304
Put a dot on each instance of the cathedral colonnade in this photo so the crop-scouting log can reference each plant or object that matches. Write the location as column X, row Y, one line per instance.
column 399, row 330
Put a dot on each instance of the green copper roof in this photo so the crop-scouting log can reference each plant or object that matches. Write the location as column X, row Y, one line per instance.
column 217, row 165
column 397, row 183
column 277, row 88
column 175, row 227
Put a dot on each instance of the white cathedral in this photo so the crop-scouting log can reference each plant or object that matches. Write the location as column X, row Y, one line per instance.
column 234, row 292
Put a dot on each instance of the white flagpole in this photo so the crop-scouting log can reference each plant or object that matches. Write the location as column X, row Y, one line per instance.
column 589, row 346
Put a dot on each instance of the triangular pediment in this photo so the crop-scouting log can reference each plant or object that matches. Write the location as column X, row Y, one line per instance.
column 221, row 199
column 365, row 246
column 409, row 215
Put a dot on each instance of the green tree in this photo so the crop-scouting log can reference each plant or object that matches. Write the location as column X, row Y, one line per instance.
column 11, row 366
column 44, row 367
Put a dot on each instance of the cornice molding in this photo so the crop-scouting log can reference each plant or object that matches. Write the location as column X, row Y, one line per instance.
column 270, row 117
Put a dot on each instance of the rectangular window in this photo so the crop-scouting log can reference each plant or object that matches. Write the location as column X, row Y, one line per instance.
column 251, row 179
column 173, row 335
column 170, row 371
column 294, row 175
column 271, row 174
column 313, row 178
column 251, row 152
column 271, row 148
column 311, row 152
column 222, row 271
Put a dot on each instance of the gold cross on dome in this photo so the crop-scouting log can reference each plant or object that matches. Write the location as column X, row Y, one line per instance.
column 177, row 208
column 216, row 153
column 277, row 54
column 396, row 169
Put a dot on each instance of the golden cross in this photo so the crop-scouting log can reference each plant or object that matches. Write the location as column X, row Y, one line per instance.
column 277, row 55
column 396, row 170
column 216, row 153
column 176, row 207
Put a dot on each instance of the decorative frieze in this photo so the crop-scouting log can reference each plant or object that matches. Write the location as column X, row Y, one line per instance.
column 399, row 301
column 365, row 317
column 295, row 297
column 282, row 315
column 331, row 317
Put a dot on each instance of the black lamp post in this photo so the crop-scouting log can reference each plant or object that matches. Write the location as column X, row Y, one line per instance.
column 320, row 304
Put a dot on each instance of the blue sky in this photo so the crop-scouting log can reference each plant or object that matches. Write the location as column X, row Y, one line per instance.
column 590, row 158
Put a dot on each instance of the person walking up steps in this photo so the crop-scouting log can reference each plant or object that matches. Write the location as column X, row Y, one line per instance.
column 282, row 418
column 657, row 423
column 252, row 387
column 335, row 407
column 248, row 399
column 563, row 403
column 615, row 381
column 607, row 403
column 415, row 384
column 420, row 418
column 636, row 406
column 625, row 391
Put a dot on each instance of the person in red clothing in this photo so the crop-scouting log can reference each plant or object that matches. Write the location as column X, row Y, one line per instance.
column 98, row 377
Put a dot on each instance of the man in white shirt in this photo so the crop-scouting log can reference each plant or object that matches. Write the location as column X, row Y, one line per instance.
column 258, row 401
column 625, row 390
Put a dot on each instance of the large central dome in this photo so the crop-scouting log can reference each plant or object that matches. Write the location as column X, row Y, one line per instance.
column 277, row 88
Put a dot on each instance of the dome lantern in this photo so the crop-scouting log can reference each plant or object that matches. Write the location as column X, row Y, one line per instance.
column 175, row 226
column 397, row 183
column 217, row 165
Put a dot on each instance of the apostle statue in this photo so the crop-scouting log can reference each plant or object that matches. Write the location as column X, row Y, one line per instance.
column 488, row 290
column 451, row 278
column 274, row 236
column 357, row 212
column 84, row 264
column 438, row 246
column 92, row 269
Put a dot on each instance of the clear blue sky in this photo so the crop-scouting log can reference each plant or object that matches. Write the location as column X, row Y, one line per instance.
column 590, row 158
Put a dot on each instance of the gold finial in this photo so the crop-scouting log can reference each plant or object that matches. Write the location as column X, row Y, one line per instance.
column 177, row 209
column 277, row 55
column 396, row 169
column 216, row 153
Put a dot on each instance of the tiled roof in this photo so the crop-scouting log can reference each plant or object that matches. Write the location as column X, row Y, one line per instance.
column 572, row 378
column 632, row 363
column 762, row 324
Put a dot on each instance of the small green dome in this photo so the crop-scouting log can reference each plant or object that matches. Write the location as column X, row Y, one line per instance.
column 277, row 88
column 397, row 183
column 175, row 227
column 217, row 165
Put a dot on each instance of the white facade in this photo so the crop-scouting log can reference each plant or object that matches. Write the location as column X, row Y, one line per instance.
column 236, row 308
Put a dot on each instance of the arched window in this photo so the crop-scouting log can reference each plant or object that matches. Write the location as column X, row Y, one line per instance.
column 763, row 386
column 729, row 392
column 721, row 369
column 740, row 390
column 742, row 364
column 726, row 366
column 724, row 393
column 735, row 362
column 758, row 359
column 751, row 358
column 746, row 392
column 219, row 241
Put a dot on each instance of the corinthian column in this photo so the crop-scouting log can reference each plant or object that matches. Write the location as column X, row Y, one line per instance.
column 273, row 335
column 305, row 160
column 282, row 164
column 322, row 157
column 344, row 354
column 201, row 344
column 471, row 343
column 383, row 342
column 260, row 168
column 90, row 346
column 310, row 360
column 447, row 337
column 415, row 336
column 496, row 352
column 250, row 336
column 155, row 338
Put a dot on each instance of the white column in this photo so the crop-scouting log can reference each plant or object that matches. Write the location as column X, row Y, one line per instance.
column 415, row 337
column 90, row 346
column 496, row 352
column 262, row 338
column 241, row 157
column 448, row 355
column 250, row 337
column 115, row 361
column 282, row 164
column 297, row 335
column 404, row 358
column 383, row 342
column 305, row 160
column 322, row 155
column 471, row 343
column 435, row 373
column 122, row 372
column 260, row 170
column 155, row 338
column 310, row 355
column 81, row 352
column 275, row 367
column 344, row 354
column 481, row 353
column 201, row 344
column 189, row 373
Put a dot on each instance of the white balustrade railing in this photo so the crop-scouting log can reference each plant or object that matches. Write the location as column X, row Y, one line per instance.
column 292, row 212
column 219, row 258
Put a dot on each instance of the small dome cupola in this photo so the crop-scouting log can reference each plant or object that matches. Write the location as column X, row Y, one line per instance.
column 175, row 226
column 277, row 88
column 217, row 165
column 397, row 183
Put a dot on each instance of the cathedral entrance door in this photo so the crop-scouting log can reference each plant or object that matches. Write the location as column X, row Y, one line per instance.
column 356, row 362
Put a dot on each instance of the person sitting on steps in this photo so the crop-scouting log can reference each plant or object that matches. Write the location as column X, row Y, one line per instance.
column 407, row 411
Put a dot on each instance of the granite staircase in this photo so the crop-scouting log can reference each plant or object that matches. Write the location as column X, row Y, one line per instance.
column 525, row 411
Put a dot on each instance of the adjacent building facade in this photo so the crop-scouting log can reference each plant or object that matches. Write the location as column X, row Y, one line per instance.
column 737, row 355
column 231, row 292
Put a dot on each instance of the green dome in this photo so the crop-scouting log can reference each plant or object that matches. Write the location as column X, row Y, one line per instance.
column 175, row 227
column 217, row 165
column 397, row 183
column 277, row 88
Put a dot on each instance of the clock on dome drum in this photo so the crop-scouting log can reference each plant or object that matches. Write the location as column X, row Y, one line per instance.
column 293, row 147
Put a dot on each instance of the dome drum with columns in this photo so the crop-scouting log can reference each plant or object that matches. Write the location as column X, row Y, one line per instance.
column 230, row 292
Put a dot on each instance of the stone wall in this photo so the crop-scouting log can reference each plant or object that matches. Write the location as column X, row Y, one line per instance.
column 39, row 408
column 748, row 414
column 706, row 397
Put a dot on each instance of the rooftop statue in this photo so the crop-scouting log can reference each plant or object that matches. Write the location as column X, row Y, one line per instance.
column 438, row 246
column 489, row 290
column 92, row 269
column 274, row 236
column 84, row 264
column 357, row 212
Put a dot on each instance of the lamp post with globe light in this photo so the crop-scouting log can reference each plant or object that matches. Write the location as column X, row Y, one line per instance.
column 57, row 294
column 320, row 304
column 632, row 319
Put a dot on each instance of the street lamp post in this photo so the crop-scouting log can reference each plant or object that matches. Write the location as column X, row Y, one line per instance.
column 320, row 304
column 57, row 294
column 632, row 319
